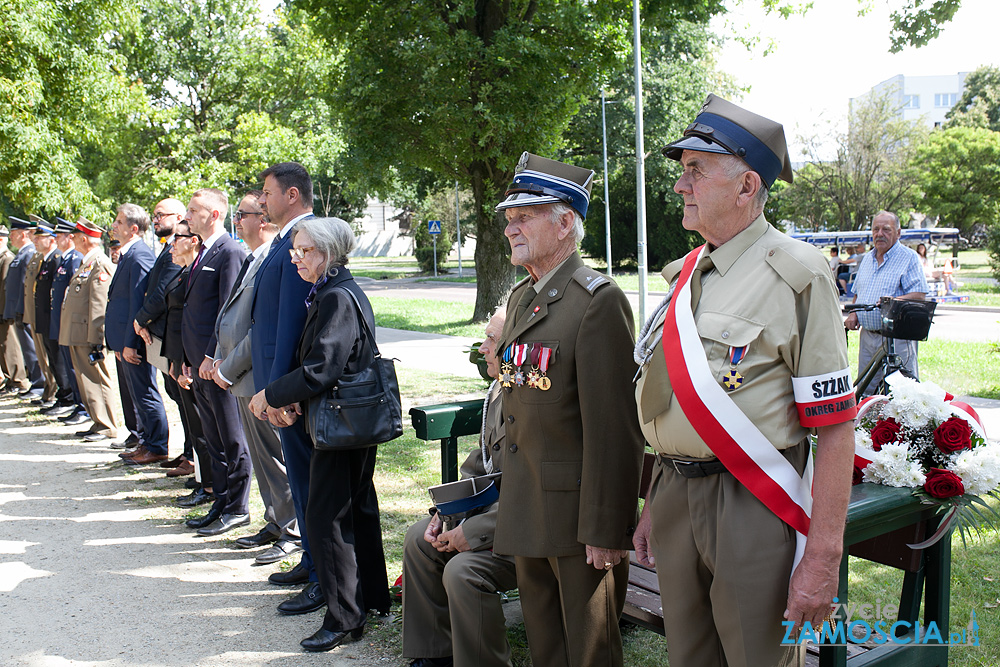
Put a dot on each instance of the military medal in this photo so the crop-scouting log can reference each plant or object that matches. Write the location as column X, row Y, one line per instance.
column 544, row 358
column 507, row 368
column 733, row 379
column 533, row 374
column 520, row 356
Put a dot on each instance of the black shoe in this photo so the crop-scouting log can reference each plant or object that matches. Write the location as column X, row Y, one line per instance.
column 95, row 437
column 195, row 498
column 192, row 483
column 225, row 524
column 433, row 662
column 324, row 639
column 59, row 410
column 74, row 418
column 265, row 536
column 30, row 394
column 280, row 550
column 44, row 405
column 81, row 434
column 297, row 575
column 198, row 524
column 308, row 600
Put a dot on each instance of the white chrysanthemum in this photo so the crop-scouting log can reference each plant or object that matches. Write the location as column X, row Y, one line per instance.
column 979, row 469
column 916, row 405
column 891, row 467
column 863, row 439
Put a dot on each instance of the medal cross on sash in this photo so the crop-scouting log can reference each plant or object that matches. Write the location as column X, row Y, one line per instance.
column 733, row 379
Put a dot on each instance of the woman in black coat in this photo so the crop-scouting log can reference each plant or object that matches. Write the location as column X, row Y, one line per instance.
column 342, row 517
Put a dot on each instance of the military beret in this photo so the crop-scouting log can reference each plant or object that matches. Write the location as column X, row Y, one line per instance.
column 723, row 127
column 539, row 180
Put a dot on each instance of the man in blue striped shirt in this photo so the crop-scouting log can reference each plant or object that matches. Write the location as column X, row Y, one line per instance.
column 893, row 270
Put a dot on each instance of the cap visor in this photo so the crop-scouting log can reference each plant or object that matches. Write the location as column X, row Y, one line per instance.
column 525, row 199
column 674, row 150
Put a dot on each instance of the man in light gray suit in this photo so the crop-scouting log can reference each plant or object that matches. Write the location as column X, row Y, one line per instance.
column 232, row 365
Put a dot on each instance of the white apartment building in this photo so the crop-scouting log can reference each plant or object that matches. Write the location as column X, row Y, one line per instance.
column 923, row 98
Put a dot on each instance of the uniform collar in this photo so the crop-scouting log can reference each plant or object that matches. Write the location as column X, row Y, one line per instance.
column 539, row 307
column 726, row 255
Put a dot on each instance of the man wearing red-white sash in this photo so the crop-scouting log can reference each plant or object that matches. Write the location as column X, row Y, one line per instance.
column 743, row 360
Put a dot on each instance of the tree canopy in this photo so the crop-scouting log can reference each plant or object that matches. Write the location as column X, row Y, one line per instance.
column 979, row 105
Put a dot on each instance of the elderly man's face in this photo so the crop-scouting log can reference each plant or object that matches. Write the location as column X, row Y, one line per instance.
column 884, row 233
column 532, row 234
column 488, row 348
column 709, row 193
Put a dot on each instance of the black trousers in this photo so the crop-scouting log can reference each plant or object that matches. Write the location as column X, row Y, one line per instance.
column 190, row 415
column 345, row 536
column 128, row 407
column 231, row 467
column 60, row 371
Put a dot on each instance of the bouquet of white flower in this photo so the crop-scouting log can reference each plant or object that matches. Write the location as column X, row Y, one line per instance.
column 919, row 437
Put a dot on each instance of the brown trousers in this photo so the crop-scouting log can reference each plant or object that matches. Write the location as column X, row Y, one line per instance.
column 94, row 381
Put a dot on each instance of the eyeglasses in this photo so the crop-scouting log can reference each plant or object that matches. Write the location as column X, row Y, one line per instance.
column 239, row 215
column 159, row 216
column 299, row 253
column 187, row 236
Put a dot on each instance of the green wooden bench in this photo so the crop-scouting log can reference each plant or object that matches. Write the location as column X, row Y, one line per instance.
column 448, row 422
column 880, row 522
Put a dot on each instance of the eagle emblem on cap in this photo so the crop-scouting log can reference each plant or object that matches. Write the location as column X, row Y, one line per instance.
column 522, row 164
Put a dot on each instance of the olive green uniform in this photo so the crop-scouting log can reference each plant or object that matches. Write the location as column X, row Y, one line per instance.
column 572, row 466
column 30, row 277
column 81, row 328
column 723, row 556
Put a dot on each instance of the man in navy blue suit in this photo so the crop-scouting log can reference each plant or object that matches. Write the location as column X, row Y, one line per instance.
column 20, row 238
column 125, row 297
column 277, row 317
column 211, row 280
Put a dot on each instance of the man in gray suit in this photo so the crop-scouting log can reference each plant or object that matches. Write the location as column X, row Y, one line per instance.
column 232, row 366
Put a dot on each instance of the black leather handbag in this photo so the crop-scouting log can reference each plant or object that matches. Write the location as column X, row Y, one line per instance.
column 362, row 409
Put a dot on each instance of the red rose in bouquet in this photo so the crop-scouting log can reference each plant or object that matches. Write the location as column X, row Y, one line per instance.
column 885, row 431
column 953, row 435
column 943, row 484
column 858, row 476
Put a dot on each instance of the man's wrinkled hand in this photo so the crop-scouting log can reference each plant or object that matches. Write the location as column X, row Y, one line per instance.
column 640, row 540
column 604, row 559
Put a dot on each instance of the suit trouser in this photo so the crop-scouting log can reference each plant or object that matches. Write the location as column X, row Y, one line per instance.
column 77, row 399
column 198, row 454
column 131, row 417
column 174, row 392
column 571, row 610
column 13, row 360
column 60, row 371
column 264, row 444
column 298, row 449
column 726, row 560
column 451, row 604
column 231, row 465
column 345, row 534
column 28, row 354
column 95, row 389
column 48, row 375
column 141, row 381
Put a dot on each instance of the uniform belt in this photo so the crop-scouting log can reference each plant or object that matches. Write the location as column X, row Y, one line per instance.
column 691, row 469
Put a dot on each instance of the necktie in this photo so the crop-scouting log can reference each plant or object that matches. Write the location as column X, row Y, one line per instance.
column 526, row 298
column 239, row 276
column 194, row 264
column 704, row 265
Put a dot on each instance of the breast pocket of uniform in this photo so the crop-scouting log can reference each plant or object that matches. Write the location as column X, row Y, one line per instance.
column 729, row 335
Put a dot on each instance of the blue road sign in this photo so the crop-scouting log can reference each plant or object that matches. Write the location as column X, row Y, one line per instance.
column 434, row 226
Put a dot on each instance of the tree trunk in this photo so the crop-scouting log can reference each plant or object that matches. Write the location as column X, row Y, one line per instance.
column 494, row 273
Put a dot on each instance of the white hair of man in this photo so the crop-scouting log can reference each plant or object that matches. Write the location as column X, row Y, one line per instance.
column 895, row 218
column 333, row 238
column 735, row 167
column 557, row 211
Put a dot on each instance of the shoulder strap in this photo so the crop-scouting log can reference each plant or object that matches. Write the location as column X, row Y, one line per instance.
column 361, row 316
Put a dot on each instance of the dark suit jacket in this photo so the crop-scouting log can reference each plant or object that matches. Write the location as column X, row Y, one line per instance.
column 15, row 282
column 68, row 264
column 277, row 315
column 43, row 293
column 173, row 345
column 207, row 289
column 125, row 296
column 331, row 344
column 152, row 313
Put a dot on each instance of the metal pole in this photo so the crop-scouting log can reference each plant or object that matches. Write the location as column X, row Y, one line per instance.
column 458, row 231
column 435, row 256
column 607, row 206
column 640, row 165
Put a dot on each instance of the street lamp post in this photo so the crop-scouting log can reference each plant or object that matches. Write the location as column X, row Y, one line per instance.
column 607, row 205
column 640, row 165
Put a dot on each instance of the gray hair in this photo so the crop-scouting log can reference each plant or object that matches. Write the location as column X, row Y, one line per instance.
column 895, row 218
column 333, row 238
column 559, row 208
column 734, row 167
column 135, row 215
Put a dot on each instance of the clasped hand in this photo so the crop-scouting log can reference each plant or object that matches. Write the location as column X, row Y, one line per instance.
column 280, row 417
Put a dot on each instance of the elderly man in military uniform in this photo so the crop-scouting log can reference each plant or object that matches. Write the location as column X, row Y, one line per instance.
column 452, row 613
column 729, row 362
column 45, row 241
column 41, row 233
column 11, row 361
column 13, row 311
column 69, row 262
column 81, row 328
column 573, row 459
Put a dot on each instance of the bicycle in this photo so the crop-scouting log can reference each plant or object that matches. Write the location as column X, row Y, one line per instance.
column 902, row 319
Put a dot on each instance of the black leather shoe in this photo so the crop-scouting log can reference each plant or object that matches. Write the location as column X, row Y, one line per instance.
column 192, row 484
column 253, row 541
column 195, row 498
column 297, row 575
column 75, row 418
column 310, row 599
column 324, row 639
column 59, row 410
column 280, row 550
column 211, row 517
column 225, row 524
column 433, row 662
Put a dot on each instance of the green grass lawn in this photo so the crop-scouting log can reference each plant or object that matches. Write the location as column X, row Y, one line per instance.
column 429, row 315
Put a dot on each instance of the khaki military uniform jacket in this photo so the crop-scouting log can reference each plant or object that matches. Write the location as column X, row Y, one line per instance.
column 82, row 319
column 775, row 296
column 30, row 275
column 574, row 452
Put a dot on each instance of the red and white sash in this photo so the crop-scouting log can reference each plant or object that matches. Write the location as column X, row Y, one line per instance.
column 727, row 431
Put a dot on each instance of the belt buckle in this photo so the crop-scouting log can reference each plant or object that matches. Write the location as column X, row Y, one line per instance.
column 683, row 468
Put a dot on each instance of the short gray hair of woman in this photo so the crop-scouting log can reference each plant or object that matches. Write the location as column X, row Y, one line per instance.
column 558, row 209
column 333, row 238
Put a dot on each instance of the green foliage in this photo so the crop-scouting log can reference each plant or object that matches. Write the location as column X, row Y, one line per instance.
column 979, row 105
column 959, row 173
column 425, row 247
column 993, row 247
column 918, row 23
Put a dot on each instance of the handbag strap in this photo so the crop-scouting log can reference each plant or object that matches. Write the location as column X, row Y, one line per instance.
column 364, row 322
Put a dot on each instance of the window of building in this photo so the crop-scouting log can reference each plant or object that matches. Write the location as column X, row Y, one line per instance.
column 945, row 100
column 911, row 101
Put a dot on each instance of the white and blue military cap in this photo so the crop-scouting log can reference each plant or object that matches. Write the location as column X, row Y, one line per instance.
column 44, row 230
column 19, row 223
column 539, row 180
column 723, row 127
column 64, row 226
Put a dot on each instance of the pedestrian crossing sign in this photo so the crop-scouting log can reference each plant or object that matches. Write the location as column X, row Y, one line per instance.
column 434, row 226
